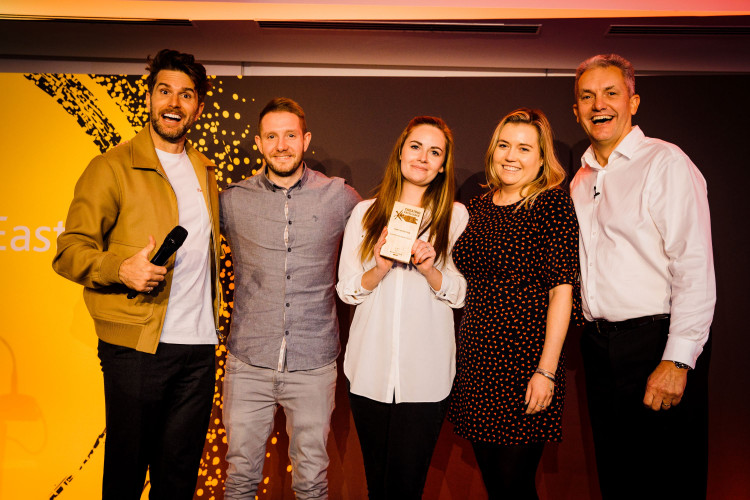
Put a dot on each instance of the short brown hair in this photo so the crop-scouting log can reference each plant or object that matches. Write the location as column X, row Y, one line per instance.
column 284, row 104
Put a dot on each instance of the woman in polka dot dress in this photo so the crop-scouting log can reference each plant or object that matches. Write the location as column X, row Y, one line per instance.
column 519, row 255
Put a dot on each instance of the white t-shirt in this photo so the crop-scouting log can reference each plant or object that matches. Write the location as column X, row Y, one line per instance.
column 189, row 318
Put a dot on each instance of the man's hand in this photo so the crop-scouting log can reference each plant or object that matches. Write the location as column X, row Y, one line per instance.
column 665, row 386
column 138, row 274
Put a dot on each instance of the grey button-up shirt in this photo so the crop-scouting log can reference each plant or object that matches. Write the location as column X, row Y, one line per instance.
column 285, row 244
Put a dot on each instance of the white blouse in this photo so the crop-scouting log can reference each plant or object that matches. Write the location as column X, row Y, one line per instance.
column 401, row 343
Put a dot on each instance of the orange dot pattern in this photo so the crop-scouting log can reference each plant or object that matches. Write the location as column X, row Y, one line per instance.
column 511, row 259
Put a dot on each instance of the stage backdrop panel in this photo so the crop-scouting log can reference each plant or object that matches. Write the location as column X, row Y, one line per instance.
column 51, row 125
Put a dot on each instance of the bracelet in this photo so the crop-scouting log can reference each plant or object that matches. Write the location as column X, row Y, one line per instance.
column 545, row 374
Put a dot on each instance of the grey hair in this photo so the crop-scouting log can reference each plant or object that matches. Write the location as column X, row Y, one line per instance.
column 605, row 61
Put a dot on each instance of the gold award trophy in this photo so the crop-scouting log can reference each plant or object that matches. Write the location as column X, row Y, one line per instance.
column 403, row 229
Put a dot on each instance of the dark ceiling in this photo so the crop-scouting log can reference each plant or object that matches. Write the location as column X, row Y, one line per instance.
column 552, row 46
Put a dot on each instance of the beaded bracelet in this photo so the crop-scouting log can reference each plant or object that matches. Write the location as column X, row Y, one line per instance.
column 545, row 374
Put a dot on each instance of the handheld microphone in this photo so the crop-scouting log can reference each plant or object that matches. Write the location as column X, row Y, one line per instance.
column 172, row 242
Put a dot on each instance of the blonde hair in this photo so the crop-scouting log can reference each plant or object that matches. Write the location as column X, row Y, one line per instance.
column 438, row 198
column 551, row 173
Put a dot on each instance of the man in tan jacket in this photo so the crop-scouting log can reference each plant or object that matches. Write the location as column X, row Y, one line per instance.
column 156, row 350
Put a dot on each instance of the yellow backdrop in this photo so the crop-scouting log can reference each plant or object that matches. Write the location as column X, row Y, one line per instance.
column 50, row 384
column 51, row 396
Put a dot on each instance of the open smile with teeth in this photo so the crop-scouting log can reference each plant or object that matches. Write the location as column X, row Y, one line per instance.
column 597, row 120
column 171, row 117
column 511, row 168
column 283, row 158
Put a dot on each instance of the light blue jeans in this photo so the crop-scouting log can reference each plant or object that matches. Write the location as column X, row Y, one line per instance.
column 251, row 396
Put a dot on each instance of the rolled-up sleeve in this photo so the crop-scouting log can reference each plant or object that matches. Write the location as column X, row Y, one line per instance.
column 453, row 288
column 351, row 268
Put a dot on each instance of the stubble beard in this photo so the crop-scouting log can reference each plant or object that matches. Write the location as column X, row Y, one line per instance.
column 283, row 173
column 173, row 136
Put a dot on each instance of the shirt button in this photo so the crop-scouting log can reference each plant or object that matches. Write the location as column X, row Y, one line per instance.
column 288, row 249
column 286, row 332
column 290, row 223
column 287, row 304
column 288, row 277
column 289, row 196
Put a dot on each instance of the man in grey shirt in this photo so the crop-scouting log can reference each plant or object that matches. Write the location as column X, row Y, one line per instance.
column 284, row 226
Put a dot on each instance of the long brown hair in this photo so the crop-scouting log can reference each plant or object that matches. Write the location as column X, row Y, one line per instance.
column 438, row 198
column 551, row 173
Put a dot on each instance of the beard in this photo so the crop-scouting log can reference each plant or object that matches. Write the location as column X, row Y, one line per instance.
column 172, row 135
column 282, row 171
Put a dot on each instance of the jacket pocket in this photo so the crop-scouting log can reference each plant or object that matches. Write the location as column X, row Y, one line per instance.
column 112, row 304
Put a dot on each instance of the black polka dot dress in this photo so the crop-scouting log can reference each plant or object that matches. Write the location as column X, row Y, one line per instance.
column 510, row 259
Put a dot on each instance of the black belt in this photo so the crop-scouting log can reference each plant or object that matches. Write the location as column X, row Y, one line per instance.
column 603, row 326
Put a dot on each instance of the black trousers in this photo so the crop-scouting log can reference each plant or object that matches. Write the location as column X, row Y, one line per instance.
column 641, row 453
column 509, row 471
column 157, row 412
column 397, row 442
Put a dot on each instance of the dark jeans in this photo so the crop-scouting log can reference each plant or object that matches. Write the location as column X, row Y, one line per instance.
column 509, row 471
column 641, row 453
column 397, row 442
column 157, row 412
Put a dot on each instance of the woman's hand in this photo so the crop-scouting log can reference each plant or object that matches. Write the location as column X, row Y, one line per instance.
column 539, row 394
column 382, row 264
column 423, row 256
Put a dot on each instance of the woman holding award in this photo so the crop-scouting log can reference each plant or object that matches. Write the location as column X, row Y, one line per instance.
column 519, row 254
column 400, row 358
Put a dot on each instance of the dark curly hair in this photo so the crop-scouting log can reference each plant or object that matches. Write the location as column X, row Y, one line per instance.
column 178, row 61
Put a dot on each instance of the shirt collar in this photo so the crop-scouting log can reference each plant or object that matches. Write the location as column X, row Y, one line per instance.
column 300, row 182
column 626, row 149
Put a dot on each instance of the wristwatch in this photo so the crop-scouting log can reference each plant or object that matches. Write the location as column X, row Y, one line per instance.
column 681, row 365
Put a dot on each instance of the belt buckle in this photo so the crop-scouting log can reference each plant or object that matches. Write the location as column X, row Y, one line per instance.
column 599, row 327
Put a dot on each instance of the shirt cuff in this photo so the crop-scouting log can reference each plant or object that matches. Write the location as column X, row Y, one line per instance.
column 351, row 290
column 452, row 289
column 682, row 351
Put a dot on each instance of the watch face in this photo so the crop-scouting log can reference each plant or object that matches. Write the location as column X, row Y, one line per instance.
column 681, row 365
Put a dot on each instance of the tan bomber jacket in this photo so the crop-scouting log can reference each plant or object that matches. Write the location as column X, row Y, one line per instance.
column 121, row 198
